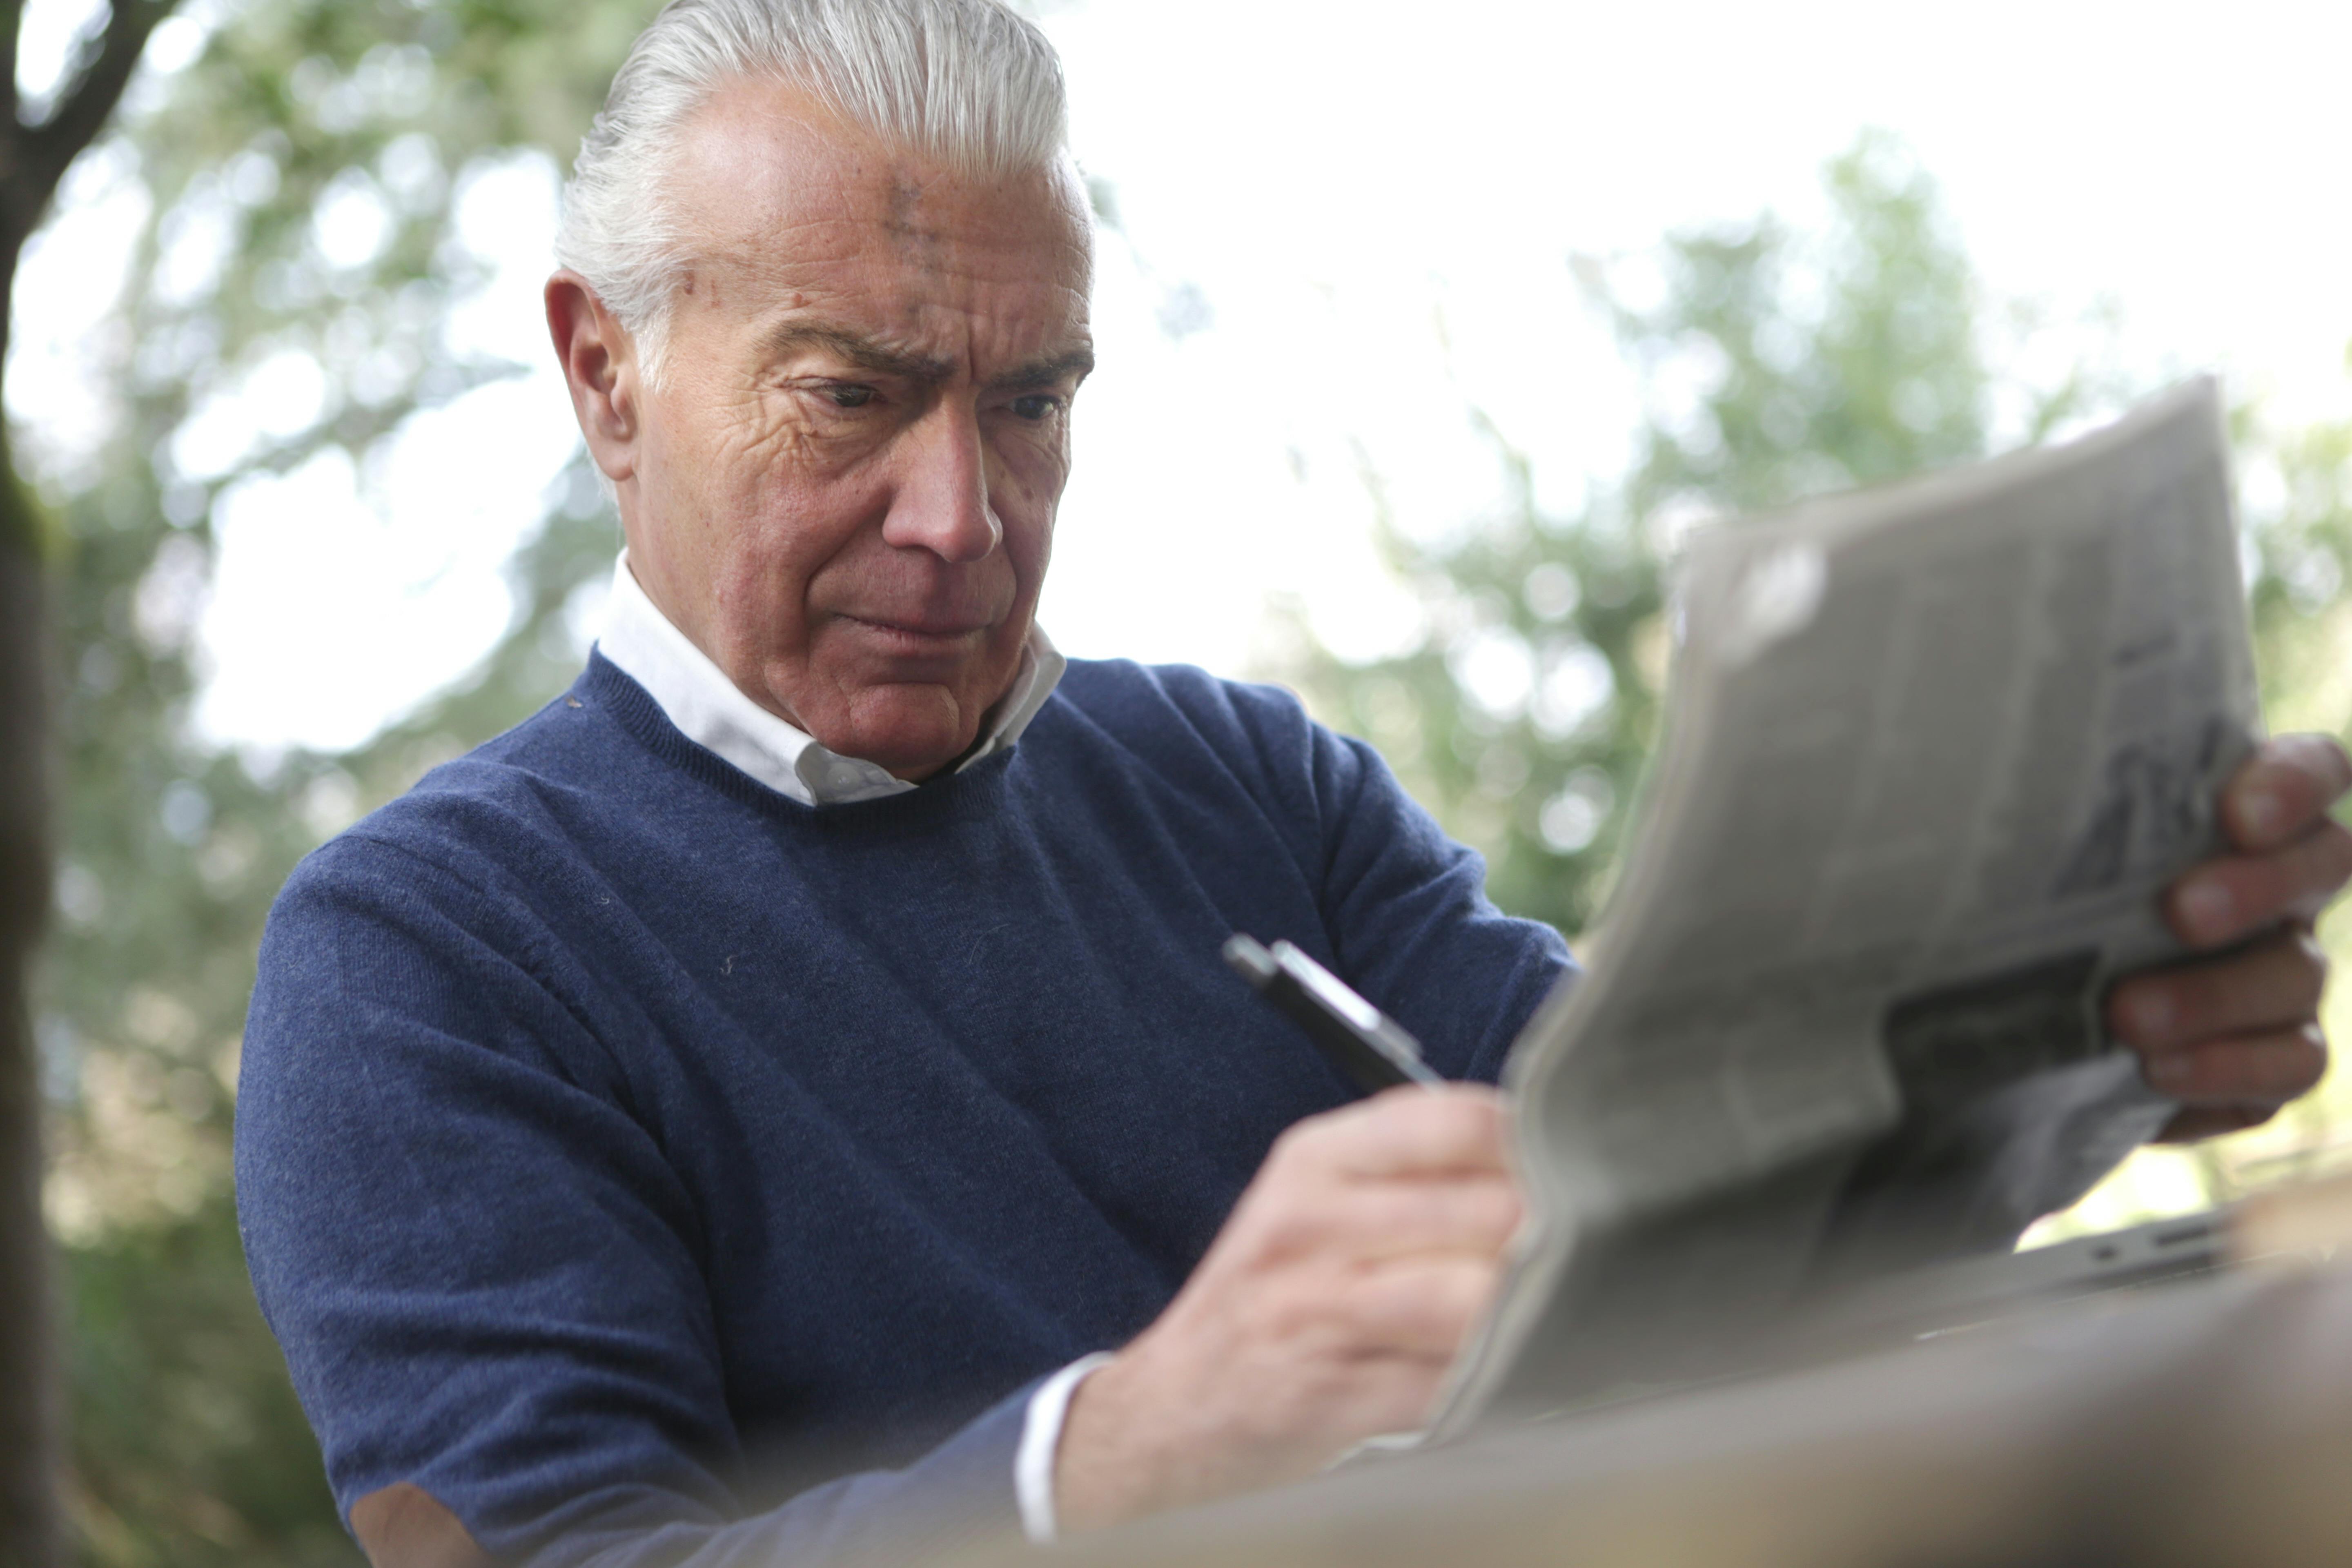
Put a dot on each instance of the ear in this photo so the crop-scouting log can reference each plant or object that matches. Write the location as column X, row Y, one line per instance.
column 600, row 363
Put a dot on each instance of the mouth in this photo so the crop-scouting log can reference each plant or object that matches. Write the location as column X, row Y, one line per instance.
column 919, row 634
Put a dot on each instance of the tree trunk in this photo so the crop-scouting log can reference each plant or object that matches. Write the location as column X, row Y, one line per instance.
column 33, row 159
column 29, row 1521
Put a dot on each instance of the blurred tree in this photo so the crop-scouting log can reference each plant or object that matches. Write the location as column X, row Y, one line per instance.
column 2299, row 520
column 38, row 142
column 1777, row 364
column 186, row 1446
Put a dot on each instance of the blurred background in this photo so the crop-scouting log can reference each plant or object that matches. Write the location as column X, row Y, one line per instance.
column 1425, row 333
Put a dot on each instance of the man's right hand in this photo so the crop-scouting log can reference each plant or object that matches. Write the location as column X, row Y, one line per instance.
column 1326, row 1311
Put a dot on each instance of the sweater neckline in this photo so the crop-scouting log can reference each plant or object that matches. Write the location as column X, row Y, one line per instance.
column 970, row 791
column 708, row 708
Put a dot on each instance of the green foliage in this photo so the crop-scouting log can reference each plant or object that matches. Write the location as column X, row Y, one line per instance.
column 2300, row 522
column 1853, row 365
column 1781, row 364
column 185, row 1415
column 1777, row 365
column 186, row 1446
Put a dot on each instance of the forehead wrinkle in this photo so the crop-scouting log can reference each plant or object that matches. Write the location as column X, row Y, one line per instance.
column 795, row 208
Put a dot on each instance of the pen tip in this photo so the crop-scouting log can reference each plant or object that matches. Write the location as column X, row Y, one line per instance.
column 1245, row 954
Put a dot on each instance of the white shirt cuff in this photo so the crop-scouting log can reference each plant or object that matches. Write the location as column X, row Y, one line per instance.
column 1041, row 1441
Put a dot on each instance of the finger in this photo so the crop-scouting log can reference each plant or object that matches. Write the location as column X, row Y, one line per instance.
column 1401, row 1131
column 2213, row 1122
column 1371, row 1221
column 2258, row 1070
column 1358, row 1398
column 2283, row 789
column 1398, row 1395
column 2274, row 985
column 2223, row 900
column 1425, row 1306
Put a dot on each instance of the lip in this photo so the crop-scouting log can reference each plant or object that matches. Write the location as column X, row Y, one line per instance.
column 921, row 633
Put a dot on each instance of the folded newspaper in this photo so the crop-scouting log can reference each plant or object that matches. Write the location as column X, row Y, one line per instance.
column 1932, row 753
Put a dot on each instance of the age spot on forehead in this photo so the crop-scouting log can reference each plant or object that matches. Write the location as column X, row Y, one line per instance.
column 904, row 221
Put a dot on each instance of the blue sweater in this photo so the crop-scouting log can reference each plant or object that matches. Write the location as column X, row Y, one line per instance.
column 654, row 1169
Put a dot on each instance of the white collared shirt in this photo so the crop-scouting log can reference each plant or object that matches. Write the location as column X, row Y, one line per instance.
column 709, row 709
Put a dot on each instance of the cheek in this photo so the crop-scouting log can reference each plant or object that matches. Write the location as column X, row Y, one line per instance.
column 722, row 459
column 783, row 503
column 782, row 488
column 762, row 586
column 758, row 442
column 1025, row 487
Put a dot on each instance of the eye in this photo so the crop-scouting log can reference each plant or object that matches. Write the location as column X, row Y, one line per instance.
column 850, row 396
column 1035, row 406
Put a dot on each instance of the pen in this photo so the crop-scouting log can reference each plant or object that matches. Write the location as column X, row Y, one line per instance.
column 1357, row 1037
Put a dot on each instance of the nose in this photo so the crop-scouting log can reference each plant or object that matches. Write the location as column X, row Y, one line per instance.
column 941, row 501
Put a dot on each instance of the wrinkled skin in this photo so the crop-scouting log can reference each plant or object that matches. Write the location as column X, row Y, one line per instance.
column 843, row 488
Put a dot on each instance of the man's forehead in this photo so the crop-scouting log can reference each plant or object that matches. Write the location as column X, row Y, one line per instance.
column 923, row 321
column 795, row 218
column 769, row 180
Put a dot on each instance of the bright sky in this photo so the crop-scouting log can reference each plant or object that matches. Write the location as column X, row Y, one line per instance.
column 1362, row 211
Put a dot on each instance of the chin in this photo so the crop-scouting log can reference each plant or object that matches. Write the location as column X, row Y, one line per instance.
column 913, row 730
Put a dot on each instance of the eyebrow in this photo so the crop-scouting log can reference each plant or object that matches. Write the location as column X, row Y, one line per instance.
column 1074, row 364
column 858, row 350
column 867, row 353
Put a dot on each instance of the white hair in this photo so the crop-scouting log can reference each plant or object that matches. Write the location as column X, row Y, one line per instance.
column 969, row 84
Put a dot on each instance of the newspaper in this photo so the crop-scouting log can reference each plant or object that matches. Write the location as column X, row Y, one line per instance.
column 1932, row 753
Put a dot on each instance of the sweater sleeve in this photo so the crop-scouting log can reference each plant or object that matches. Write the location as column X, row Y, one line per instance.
column 486, row 1277
column 1411, row 927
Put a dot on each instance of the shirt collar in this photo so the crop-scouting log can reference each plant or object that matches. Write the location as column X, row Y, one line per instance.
column 709, row 710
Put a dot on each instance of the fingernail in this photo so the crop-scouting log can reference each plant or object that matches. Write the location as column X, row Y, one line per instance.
column 2170, row 1072
column 2151, row 1012
column 2261, row 812
column 2206, row 908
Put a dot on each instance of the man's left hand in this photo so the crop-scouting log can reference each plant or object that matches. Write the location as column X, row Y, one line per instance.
column 2233, row 1038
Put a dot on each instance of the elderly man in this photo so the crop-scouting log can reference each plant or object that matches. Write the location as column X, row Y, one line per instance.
column 784, row 1098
